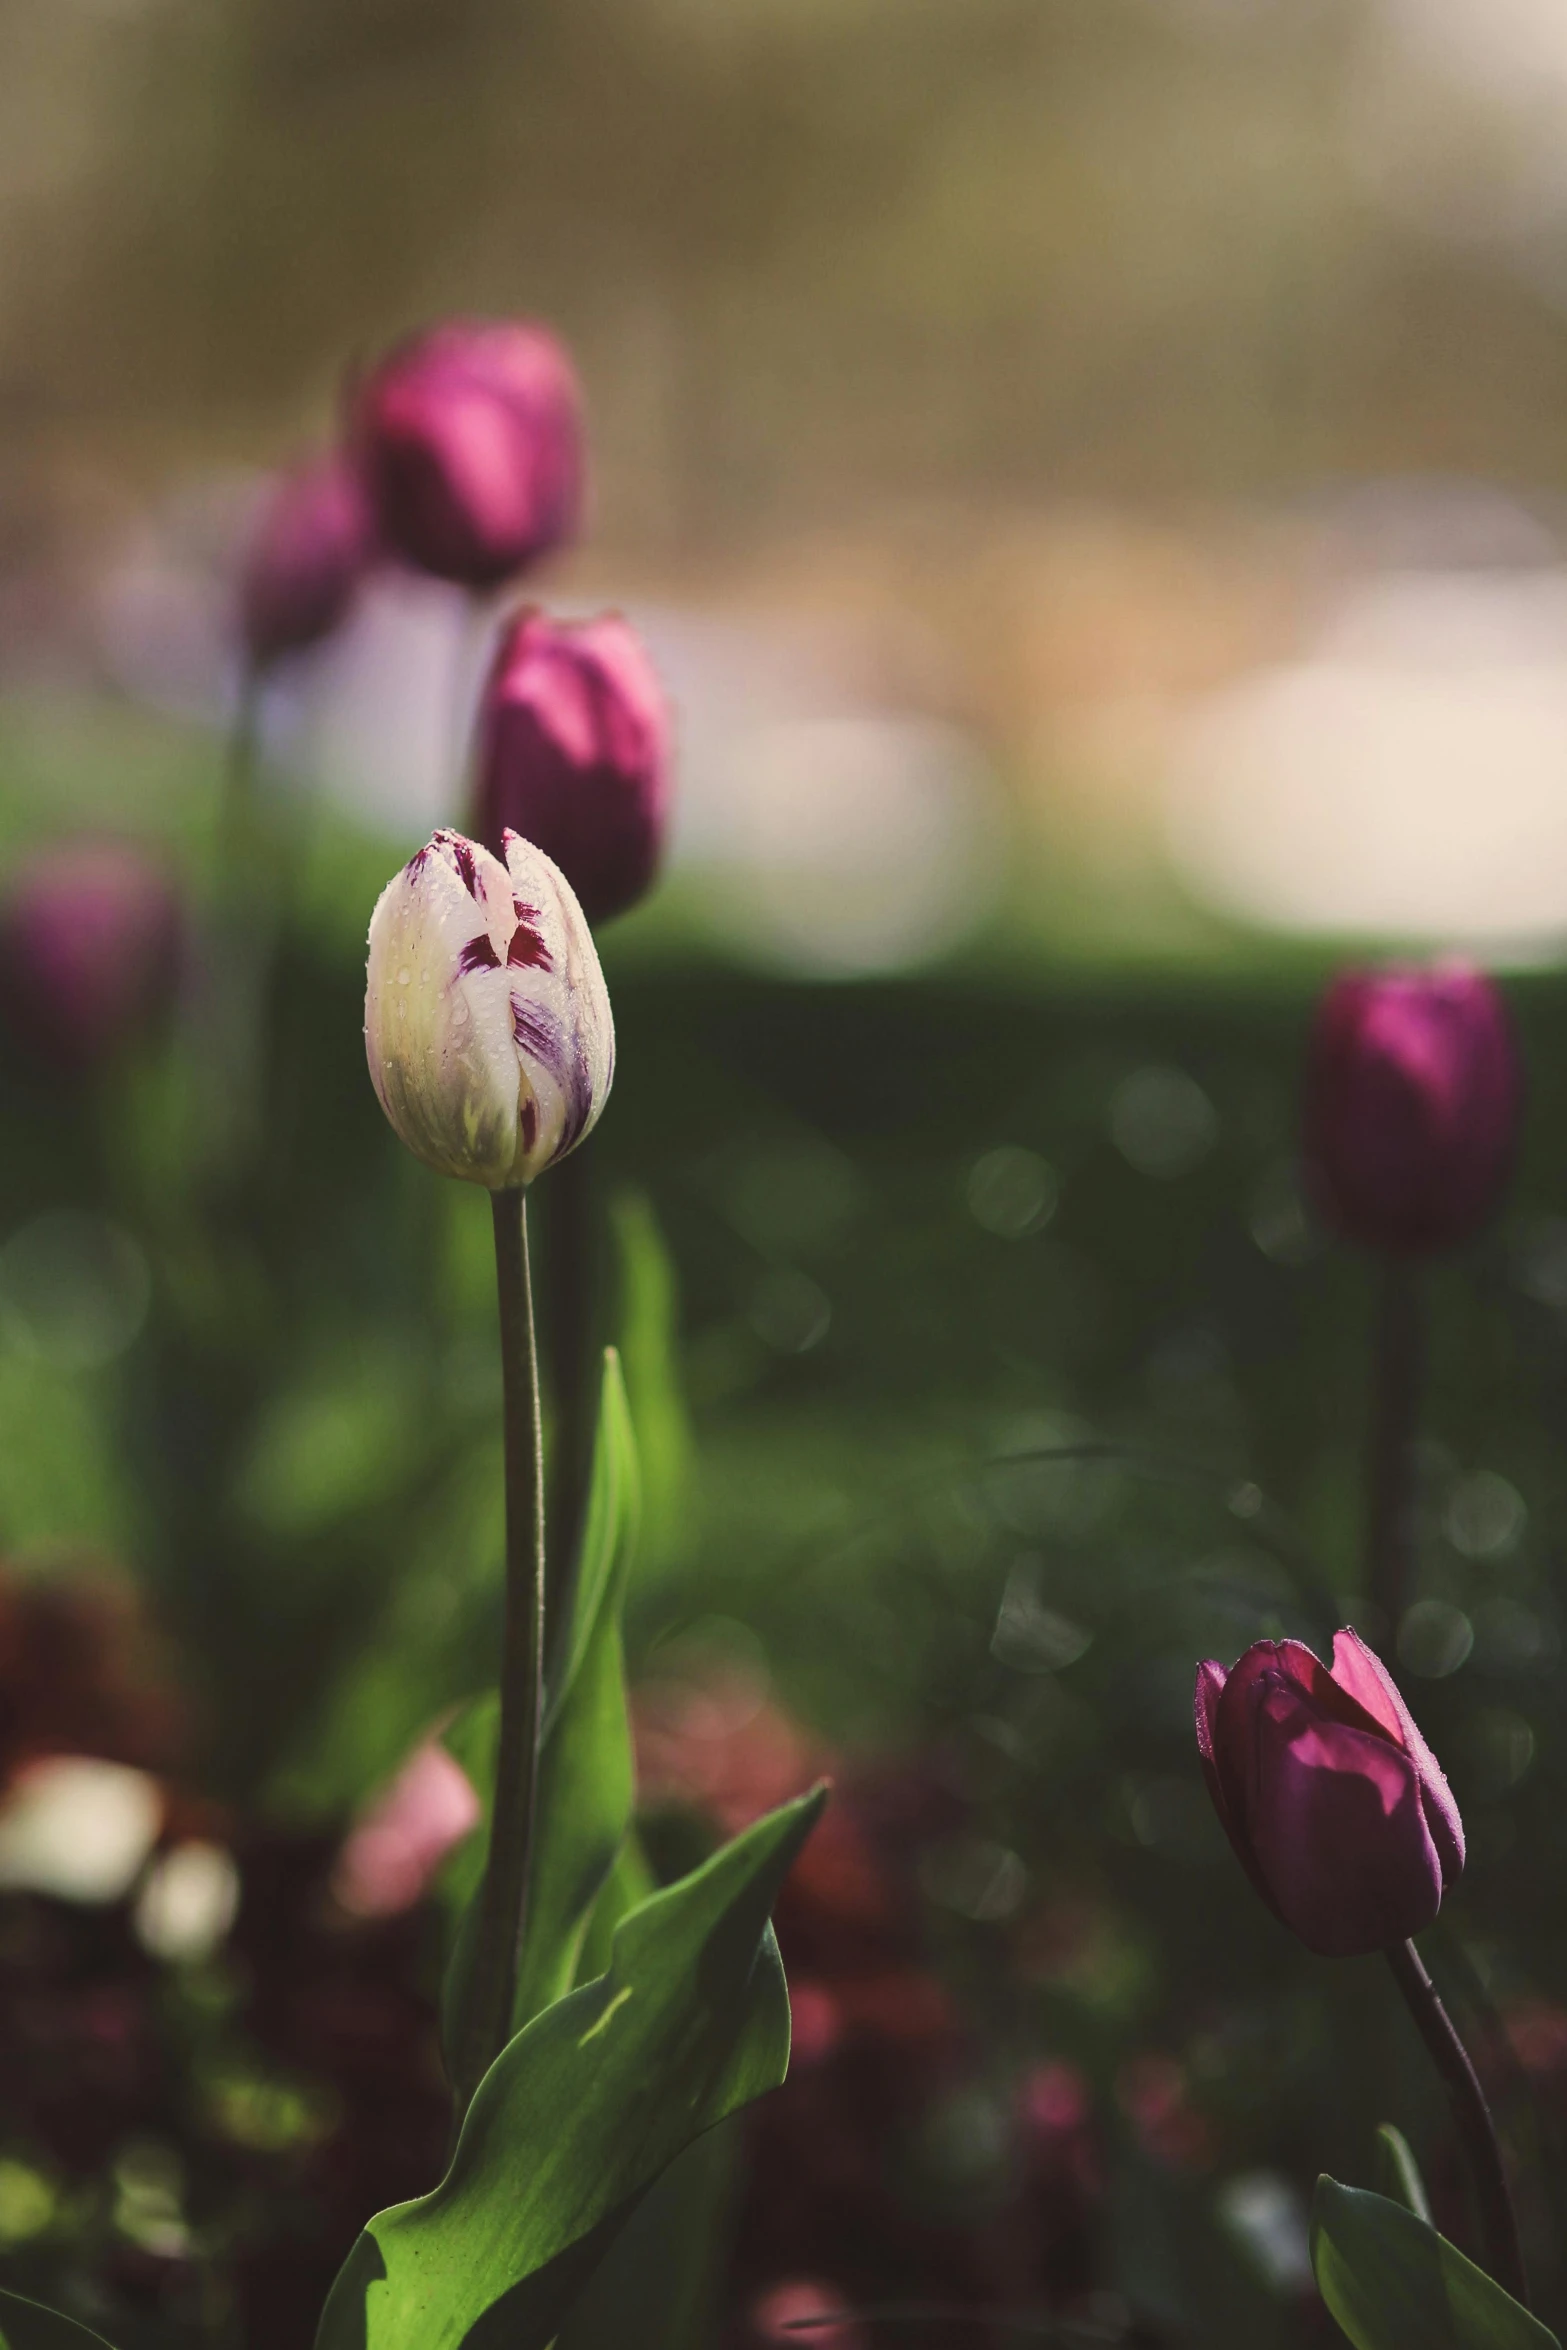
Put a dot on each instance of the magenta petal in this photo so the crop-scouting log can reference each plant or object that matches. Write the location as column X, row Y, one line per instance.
column 1210, row 1688
column 1272, row 1660
column 1362, row 1673
column 1359, row 1670
column 1211, row 1681
column 1338, row 1826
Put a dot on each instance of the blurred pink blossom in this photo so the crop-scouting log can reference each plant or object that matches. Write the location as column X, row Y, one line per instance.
column 312, row 546
column 390, row 1857
column 783, row 2315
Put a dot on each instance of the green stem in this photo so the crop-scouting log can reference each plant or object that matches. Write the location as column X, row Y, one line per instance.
column 230, row 1036
column 575, row 1361
column 503, row 1901
column 237, row 815
column 470, row 656
column 1395, row 1407
column 1499, row 2222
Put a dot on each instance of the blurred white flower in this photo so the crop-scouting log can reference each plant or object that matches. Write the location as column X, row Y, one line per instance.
column 189, row 1902
column 78, row 1828
column 1401, row 778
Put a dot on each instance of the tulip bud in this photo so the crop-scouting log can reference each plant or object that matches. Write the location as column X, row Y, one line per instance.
column 1413, row 1097
column 312, row 546
column 90, row 942
column 487, row 1021
column 470, row 440
column 574, row 755
column 1332, row 1799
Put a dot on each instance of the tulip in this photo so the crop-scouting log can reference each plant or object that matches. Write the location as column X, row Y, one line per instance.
column 487, row 1021
column 492, row 1049
column 470, row 441
column 312, row 546
column 1332, row 1799
column 90, row 942
column 1412, row 1106
column 574, row 754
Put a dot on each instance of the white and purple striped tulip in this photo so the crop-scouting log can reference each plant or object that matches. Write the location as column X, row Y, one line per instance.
column 487, row 1022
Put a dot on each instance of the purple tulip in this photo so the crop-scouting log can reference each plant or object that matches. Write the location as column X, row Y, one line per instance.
column 1413, row 1096
column 312, row 546
column 470, row 441
column 1333, row 1801
column 574, row 754
column 90, row 944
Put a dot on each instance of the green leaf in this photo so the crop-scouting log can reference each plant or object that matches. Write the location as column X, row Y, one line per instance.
column 1398, row 2173
column 586, row 1774
column 27, row 2325
column 628, row 1884
column 581, row 2113
column 658, row 2284
column 1394, row 2284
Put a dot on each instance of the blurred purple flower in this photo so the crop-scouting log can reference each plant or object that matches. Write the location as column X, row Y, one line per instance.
column 574, row 753
column 1333, row 1801
column 470, row 441
column 90, row 948
column 312, row 545
column 1413, row 1097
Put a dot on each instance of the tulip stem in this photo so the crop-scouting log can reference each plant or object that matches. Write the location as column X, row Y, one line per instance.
column 576, row 1358
column 245, row 894
column 1498, row 2219
column 1394, row 1408
column 503, row 1901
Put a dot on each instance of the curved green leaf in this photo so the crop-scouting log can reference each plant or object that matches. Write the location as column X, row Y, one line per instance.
column 586, row 1775
column 658, row 2284
column 581, row 2113
column 1398, row 2173
column 27, row 2325
column 627, row 1886
column 1394, row 2284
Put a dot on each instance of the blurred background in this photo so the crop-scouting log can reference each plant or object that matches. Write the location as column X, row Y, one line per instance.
column 1091, row 473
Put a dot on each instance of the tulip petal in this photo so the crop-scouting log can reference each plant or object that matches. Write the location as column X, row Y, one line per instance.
column 1211, row 1678
column 1367, row 1679
column 1266, row 1664
column 1338, row 1826
column 562, row 1026
column 437, row 1022
column 1293, row 1661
